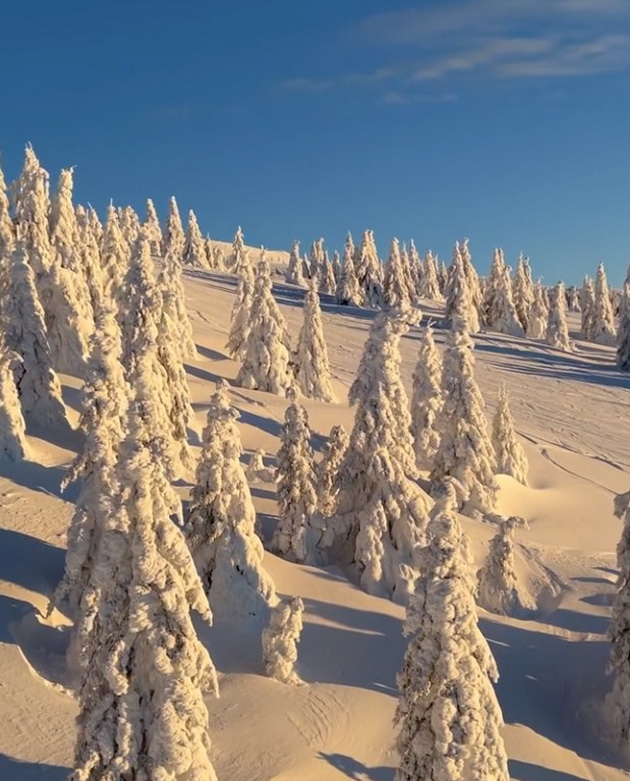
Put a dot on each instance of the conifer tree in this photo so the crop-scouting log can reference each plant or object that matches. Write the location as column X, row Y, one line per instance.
column 465, row 451
column 90, row 259
column 416, row 267
column 293, row 275
column 95, row 225
column 31, row 210
column 313, row 368
column 494, row 281
column 426, row 400
column 129, row 225
column 256, row 469
column 141, row 707
column 510, row 455
column 294, row 536
column 497, row 592
column 115, row 256
column 396, row 294
column 316, row 259
column 216, row 256
column 13, row 445
column 430, row 282
column 587, row 303
column 7, row 230
column 194, row 253
column 409, row 275
column 240, row 318
column 239, row 256
column 177, row 322
column 623, row 332
column 604, row 331
column 326, row 278
column 443, row 276
column 25, row 332
column 266, row 352
column 472, row 281
column 573, row 299
column 503, row 316
column 348, row 290
column 369, row 272
column 458, row 301
column 448, row 715
column 538, row 314
column 280, row 641
column 336, row 267
column 333, row 454
column 557, row 334
column 152, row 231
column 220, row 522
column 173, row 238
column 523, row 291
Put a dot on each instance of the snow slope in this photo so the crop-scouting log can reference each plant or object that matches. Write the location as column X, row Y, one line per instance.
column 572, row 412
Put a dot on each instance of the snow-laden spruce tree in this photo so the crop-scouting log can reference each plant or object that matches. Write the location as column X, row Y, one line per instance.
column 326, row 470
column 369, row 271
column 295, row 536
column 496, row 580
column 426, row 400
column 115, row 256
column 25, row 333
column 443, row 276
column 293, row 274
column 194, row 253
column 396, row 293
column 510, row 455
column 104, row 400
column 348, row 289
column 604, row 331
column 538, row 314
column 494, row 281
column 409, row 273
column 523, row 290
column 152, row 231
column 448, row 715
column 313, row 368
column 465, row 451
column 280, row 641
column 573, row 299
column 95, row 224
column 129, row 225
column 173, row 237
column 256, row 469
column 316, row 259
column 220, row 522
column 336, row 267
column 502, row 315
column 90, row 260
column 31, row 208
column 587, row 303
column 13, row 445
column 416, row 267
column 557, row 334
column 7, row 230
column 472, row 279
column 458, row 300
column 141, row 707
column 266, row 352
column 174, row 308
column 430, row 288
column 326, row 277
column 240, row 318
column 623, row 332
column 239, row 256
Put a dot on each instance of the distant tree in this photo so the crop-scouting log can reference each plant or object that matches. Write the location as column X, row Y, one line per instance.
column 7, row 230
column 369, row 272
column 152, row 231
column 241, row 311
column 293, row 275
column 426, row 400
column 472, row 280
column 177, row 321
column 510, row 455
column 573, row 299
column 430, row 288
column 458, row 300
column 538, row 314
column 448, row 715
column 115, row 256
column 623, row 332
column 587, row 303
column 129, row 225
column 336, row 267
column 348, row 289
column 173, row 238
column 416, row 267
column 31, row 209
column 604, row 331
column 280, row 641
column 313, row 368
column 13, row 445
column 194, row 253
column 239, row 256
column 503, row 315
column 256, row 469
column 396, row 293
column 326, row 470
column 497, row 592
column 523, row 290
column 557, row 334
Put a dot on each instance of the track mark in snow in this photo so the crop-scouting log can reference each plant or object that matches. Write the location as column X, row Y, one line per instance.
column 545, row 454
column 320, row 716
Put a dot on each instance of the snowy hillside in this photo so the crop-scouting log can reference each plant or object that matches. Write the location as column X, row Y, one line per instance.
column 571, row 410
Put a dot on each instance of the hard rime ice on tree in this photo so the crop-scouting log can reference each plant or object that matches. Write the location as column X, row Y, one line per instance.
column 523, row 291
column 293, row 274
column 326, row 277
column 280, row 641
column 241, row 312
column 493, row 282
column 448, row 716
column 472, row 282
column 604, row 331
column 313, row 368
column 502, row 315
column 336, row 267
column 458, row 298
column 497, row 584
column 7, row 230
column 256, row 469
column 430, row 281
column 316, row 260
column 510, row 455
column 173, row 238
column 152, row 231
column 587, row 303
column 557, row 334
column 348, row 290
column 221, row 519
column 396, row 293
column 238, row 256
column 115, row 256
column 177, row 321
column 538, row 314
column 326, row 470
column 194, row 252
column 13, row 445
column 369, row 272
column 426, row 400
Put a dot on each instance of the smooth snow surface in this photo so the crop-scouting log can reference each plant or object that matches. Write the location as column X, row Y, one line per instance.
column 571, row 414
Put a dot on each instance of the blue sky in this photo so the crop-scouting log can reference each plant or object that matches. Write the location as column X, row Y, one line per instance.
column 507, row 121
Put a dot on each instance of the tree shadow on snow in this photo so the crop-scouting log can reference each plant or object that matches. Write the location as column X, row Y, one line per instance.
column 355, row 770
column 29, row 562
column 36, row 477
column 202, row 374
column 268, row 425
column 18, row 770
column 12, row 610
column 213, row 355
column 524, row 771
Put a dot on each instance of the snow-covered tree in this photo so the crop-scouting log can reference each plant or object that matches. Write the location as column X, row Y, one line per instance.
column 129, row 225
column 523, row 290
column 348, row 289
column 95, row 225
column 458, row 300
column 557, row 334
column 7, row 230
column 280, row 641
column 295, row 536
column 336, row 267
column 194, row 253
column 430, row 287
column 448, row 715
column 220, row 522
column 141, row 707
column 587, row 304
column 239, row 256
column 493, row 282
column 104, row 400
column 502, row 315
column 416, row 268
column 25, row 332
column 313, row 368
column 623, row 332
column 496, row 587
column 326, row 276
column 472, row 281
column 396, row 293
column 604, row 331
column 316, row 259
column 369, row 272
column 31, row 208
column 256, row 469
column 174, row 310
column 90, row 259
column 266, row 352
column 409, row 273
column 115, row 256
column 465, row 451
column 326, row 470
column 240, row 318
column 173, row 238
column 152, row 231
column 510, row 455
column 538, row 314
column 573, row 299
column 293, row 274
column 13, row 445
column 426, row 400
column 443, row 277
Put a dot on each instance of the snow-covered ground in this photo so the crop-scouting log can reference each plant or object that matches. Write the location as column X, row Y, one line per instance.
column 572, row 412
